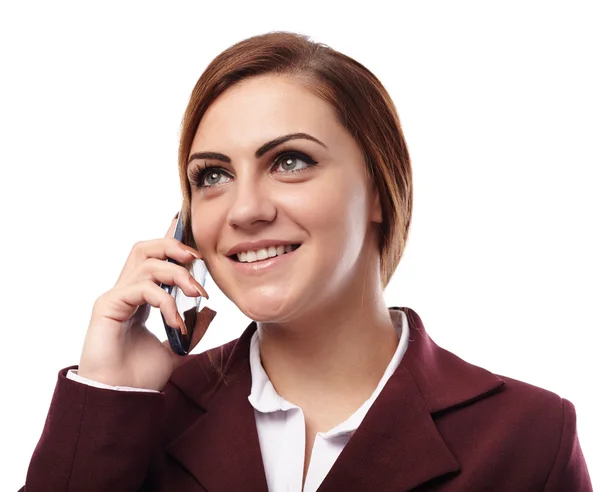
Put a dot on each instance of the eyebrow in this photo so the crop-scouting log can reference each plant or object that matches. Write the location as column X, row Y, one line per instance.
column 262, row 150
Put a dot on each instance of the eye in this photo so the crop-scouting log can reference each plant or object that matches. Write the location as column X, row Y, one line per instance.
column 206, row 177
column 288, row 161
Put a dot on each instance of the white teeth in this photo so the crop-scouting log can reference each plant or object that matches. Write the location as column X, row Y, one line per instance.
column 264, row 253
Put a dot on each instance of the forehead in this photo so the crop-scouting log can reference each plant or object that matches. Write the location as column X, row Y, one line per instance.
column 261, row 108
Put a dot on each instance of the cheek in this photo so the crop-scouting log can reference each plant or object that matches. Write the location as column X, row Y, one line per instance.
column 205, row 228
column 333, row 212
column 343, row 202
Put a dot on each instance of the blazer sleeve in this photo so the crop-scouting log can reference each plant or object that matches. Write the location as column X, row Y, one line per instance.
column 569, row 471
column 95, row 439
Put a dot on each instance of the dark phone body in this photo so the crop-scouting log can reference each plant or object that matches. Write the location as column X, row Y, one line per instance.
column 179, row 342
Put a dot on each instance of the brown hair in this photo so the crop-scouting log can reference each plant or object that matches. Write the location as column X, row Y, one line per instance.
column 362, row 105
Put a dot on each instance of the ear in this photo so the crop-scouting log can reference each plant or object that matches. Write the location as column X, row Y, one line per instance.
column 376, row 213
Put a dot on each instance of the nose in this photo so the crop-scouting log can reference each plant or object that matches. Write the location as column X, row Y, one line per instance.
column 251, row 203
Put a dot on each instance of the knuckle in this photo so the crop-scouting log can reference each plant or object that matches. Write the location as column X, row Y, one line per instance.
column 148, row 285
column 98, row 303
column 138, row 246
column 149, row 268
column 102, row 298
column 155, row 263
column 148, row 265
column 102, row 302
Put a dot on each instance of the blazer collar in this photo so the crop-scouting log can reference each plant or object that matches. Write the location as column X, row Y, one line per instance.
column 396, row 447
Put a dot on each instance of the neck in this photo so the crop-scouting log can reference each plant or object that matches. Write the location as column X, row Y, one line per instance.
column 337, row 353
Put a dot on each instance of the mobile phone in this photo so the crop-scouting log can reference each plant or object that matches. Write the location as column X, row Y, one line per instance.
column 187, row 307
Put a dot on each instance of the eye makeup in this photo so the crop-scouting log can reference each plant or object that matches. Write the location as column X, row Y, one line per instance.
column 199, row 173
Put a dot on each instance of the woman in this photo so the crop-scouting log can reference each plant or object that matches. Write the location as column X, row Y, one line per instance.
column 297, row 188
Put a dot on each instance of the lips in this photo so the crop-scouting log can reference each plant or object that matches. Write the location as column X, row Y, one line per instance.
column 234, row 257
column 259, row 244
column 262, row 269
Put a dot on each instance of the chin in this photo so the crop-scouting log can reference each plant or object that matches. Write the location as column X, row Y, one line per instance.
column 265, row 308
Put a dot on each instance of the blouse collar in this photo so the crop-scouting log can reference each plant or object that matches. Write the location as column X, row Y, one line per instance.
column 265, row 399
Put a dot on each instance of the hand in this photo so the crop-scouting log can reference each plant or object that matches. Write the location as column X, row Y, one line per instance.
column 118, row 348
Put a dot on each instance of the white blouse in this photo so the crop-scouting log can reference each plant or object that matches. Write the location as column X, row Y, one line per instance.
column 281, row 426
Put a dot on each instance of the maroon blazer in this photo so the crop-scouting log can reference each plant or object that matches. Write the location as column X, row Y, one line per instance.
column 440, row 424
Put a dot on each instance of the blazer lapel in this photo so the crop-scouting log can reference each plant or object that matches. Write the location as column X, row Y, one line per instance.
column 397, row 446
column 221, row 449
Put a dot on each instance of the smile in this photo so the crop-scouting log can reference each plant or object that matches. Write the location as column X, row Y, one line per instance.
column 258, row 266
column 264, row 253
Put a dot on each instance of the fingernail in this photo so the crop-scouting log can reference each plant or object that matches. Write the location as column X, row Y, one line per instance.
column 199, row 288
column 194, row 254
column 191, row 251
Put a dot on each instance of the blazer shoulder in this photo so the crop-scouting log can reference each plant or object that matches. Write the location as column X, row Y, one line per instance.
column 542, row 416
column 556, row 416
column 530, row 408
column 569, row 471
column 530, row 394
column 549, row 421
column 530, row 432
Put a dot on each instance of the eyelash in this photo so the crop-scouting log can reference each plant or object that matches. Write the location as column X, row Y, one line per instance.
column 198, row 174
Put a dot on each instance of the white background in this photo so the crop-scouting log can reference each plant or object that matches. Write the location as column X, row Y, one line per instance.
column 500, row 107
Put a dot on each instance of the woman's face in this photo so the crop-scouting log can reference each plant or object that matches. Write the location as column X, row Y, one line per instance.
column 313, row 191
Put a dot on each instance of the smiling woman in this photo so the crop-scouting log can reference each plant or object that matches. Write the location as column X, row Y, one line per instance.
column 295, row 177
column 297, row 195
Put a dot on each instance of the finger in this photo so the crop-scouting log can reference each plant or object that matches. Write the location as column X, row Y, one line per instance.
column 156, row 248
column 124, row 301
column 168, row 273
column 164, row 248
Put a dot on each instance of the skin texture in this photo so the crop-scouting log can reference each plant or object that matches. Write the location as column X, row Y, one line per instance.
column 325, row 332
